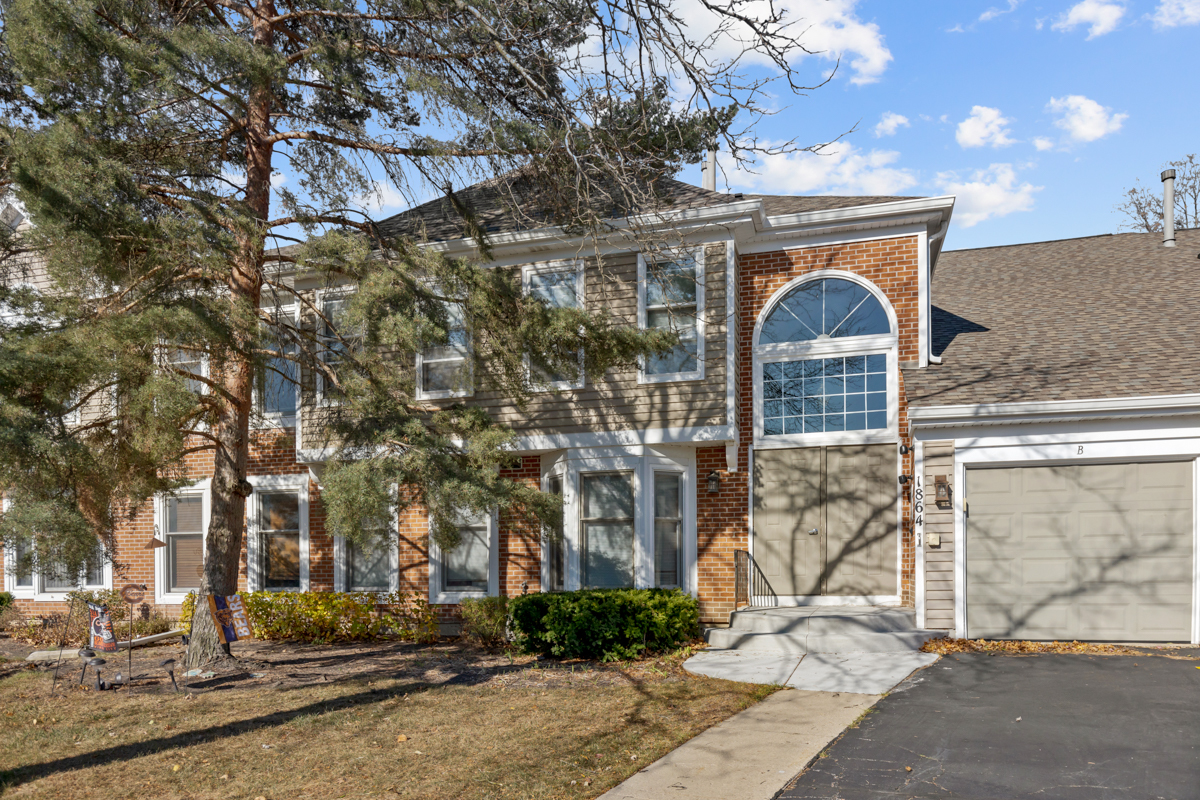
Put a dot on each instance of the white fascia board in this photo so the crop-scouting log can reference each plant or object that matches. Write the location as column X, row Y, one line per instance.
column 1051, row 410
column 927, row 210
column 706, row 434
column 622, row 232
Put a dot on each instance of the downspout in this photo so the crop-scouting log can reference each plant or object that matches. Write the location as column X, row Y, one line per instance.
column 933, row 239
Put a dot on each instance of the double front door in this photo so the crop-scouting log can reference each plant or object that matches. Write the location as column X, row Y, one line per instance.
column 825, row 520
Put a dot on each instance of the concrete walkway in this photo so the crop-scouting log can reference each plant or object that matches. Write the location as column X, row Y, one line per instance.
column 751, row 755
column 862, row 673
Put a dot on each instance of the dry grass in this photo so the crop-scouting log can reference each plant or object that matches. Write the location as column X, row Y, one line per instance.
column 395, row 721
column 1016, row 647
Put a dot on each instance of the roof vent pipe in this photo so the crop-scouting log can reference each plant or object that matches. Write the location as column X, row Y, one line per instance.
column 1168, row 179
column 709, row 169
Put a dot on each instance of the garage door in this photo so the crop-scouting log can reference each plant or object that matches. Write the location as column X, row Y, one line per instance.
column 1099, row 552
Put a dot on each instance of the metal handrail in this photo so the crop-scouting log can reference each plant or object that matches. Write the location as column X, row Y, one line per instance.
column 749, row 582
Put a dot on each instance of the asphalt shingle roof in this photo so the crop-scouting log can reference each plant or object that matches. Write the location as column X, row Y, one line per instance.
column 439, row 221
column 1101, row 317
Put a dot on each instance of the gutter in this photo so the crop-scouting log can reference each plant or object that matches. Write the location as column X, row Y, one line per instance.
column 1053, row 410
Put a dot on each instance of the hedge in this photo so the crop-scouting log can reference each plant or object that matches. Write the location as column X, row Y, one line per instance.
column 334, row 616
column 609, row 624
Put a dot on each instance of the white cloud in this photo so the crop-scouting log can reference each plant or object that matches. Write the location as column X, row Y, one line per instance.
column 1102, row 16
column 889, row 123
column 1083, row 119
column 845, row 171
column 985, row 126
column 956, row 29
column 1173, row 13
column 830, row 29
column 992, row 192
column 382, row 196
column 992, row 13
column 1042, row 143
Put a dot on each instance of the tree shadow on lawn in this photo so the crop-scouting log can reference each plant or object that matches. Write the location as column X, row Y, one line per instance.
column 15, row 777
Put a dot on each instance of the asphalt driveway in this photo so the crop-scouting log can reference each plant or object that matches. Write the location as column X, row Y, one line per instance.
column 1047, row 726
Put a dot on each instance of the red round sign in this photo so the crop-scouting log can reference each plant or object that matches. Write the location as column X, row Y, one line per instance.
column 133, row 593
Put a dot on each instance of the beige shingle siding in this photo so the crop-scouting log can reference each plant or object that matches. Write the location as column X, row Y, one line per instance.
column 1101, row 317
column 614, row 401
column 939, row 561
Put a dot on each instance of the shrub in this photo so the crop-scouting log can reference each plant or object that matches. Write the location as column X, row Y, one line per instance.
column 6, row 600
column 609, row 624
column 49, row 631
column 333, row 616
column 485, row 620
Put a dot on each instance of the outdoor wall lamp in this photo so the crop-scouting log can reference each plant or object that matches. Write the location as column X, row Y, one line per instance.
column 904, row 479
column 714, row 482
column 941, row 493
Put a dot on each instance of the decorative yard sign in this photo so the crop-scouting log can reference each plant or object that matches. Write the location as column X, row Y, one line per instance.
column 230, row 615
column 133, row 593
column 101, row 629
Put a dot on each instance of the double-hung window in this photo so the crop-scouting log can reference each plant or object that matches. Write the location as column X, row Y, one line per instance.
column 52, row 577
column 185, row 543
column 444, row 369
column 671, row 297
column 557, row 287
column 188, row 361
column 465, row 568
column 368, row 568
column 607, row 526
column 279, row 532
column 279, row 378
column 333, row 342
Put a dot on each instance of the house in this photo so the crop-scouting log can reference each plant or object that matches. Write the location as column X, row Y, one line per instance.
column 996, row 438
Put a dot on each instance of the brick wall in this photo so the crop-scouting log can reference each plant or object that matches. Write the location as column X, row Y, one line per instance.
column 893, row 266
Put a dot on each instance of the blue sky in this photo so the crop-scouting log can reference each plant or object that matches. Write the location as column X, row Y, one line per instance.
column 1037, row 115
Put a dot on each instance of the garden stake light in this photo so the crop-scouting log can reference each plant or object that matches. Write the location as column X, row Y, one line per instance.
column 96, row 664
column 169, row 665
column 84, row 654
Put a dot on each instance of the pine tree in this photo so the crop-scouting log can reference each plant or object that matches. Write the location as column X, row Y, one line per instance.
column 146, row 140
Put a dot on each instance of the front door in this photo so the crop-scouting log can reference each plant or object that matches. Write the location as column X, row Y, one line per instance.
column 825, row 520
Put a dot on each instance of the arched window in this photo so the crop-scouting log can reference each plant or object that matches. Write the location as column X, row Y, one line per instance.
column 824, row 363
column 830, row 308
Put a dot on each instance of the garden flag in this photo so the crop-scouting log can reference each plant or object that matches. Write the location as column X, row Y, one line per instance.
column 230, row 615
column 100, row 629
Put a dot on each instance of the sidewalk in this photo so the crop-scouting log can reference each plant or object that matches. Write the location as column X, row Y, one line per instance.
column 751, row 755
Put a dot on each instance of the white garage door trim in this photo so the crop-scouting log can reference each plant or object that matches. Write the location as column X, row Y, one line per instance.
column 1016, row 451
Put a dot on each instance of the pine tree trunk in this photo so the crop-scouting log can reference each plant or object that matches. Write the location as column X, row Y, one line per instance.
column 229, row 489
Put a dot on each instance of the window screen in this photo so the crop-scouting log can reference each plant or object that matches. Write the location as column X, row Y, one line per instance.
column 608, row 529
column 185, row 543
column 465, row 568
column 668, row 527
column 279, row 524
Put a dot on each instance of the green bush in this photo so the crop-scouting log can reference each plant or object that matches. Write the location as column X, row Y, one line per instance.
column 6, row 600
column 485, row 620
column 609, row 624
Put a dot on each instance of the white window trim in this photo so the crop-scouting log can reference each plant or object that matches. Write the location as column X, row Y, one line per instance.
column 161, row 576
column 264, row 419
column 642, row 463
column 340, row 552
column 35, row 592
column 527, row 272
column 273, row 483
column 335, row 293
column 439, row 597
column 674, row 377
column 885, row 344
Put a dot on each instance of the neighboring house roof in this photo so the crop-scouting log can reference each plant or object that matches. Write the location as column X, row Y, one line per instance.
column 1100, row 317
column 492, row 200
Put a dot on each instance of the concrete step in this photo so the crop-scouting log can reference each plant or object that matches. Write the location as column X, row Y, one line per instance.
column 801, row 643
column 808, row 620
